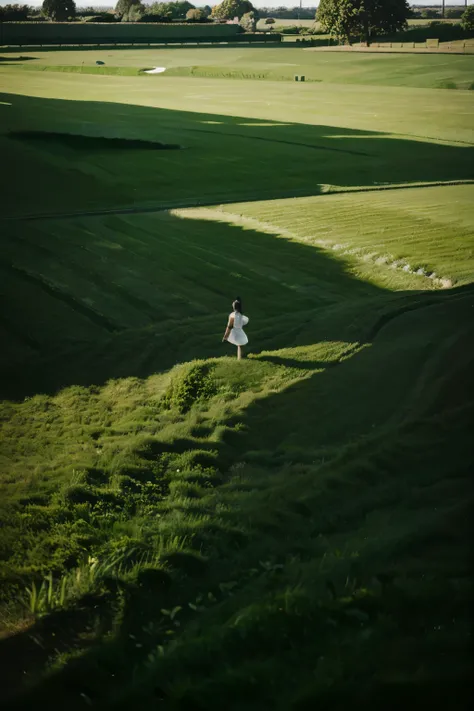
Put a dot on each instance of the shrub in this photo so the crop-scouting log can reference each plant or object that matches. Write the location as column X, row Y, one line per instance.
column 195, row 15
column 467, row 19
column 184, row 391
column 453, row 13
column 248, row 22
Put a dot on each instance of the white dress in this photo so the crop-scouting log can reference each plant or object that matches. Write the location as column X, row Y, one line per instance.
column 237, row 335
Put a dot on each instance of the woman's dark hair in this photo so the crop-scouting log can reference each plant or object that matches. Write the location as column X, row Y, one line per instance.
column 237, row 305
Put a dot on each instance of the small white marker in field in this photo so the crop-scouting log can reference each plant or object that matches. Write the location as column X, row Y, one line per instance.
column 156, row 70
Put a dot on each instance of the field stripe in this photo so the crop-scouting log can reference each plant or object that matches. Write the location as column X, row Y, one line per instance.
column 18, row 334
column 345, row 250
column 107, row 286
column 278, row 140
column 212, row 202
column 55, row 292
column 460, row 294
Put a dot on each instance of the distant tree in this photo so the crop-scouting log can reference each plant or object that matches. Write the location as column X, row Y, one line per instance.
column 88, row 11
column 59, row 10
column 467, row 19
column 338, row 18
column 453, row 13
column 248, row 22
column 207, row 9
column 14, row 13
column 123, row 7
column 135, row 13
column 228, row 9
column 167, row 11
column 195, row 15
column 429, row 14
column 346, row 18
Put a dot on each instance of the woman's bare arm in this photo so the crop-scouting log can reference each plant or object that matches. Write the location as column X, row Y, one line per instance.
column 229, row 328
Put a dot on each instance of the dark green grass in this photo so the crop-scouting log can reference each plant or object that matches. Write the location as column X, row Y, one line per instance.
column 223, row 158
column 305, row 541
column 287, row 532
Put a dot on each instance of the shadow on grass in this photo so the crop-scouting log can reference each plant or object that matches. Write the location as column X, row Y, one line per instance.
column 229, row 158
column 161, row 285
column 321, row 411
column 292, row 515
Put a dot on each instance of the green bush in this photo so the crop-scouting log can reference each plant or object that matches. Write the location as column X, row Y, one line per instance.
column 185, row 390
column 468, row 19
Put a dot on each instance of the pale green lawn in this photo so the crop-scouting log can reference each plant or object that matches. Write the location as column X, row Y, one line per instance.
column 431, row 114
column 429, row 228
column 426, row 71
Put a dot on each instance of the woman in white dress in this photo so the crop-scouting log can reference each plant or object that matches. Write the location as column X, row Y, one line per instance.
column 234, row 332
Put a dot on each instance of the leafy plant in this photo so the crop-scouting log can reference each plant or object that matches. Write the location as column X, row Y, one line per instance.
column 186, row 390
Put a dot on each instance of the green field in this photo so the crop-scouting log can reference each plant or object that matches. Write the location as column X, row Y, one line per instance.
column 181, row 530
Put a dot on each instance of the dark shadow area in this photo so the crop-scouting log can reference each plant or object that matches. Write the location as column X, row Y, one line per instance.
column 121, row 313
column 86, row 300
column 88, row 144
column 364, row 392
column 328, row 410
column 13, row 60
column 230, row 158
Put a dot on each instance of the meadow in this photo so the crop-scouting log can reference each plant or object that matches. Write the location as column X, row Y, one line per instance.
column 181, row 529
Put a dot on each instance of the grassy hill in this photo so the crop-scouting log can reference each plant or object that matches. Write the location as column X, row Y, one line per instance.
column 179, row 528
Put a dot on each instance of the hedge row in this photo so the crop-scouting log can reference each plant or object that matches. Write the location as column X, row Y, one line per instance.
column 76, row 33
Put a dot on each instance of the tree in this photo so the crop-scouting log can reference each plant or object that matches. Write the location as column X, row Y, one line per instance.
column 248, row 22
column 453, row 13
column 346, row 18
column 135, row 13
column 207, row 9
column 337, row 17
column 195, row 15
column 14, row 13
column 122, row 8
column 59, row 10
column 169, row 10
column 467, row 19
column 269, row 21
column 429, row 14
column 228, row 9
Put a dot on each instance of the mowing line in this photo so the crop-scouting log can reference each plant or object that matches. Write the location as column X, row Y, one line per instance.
column 55, row 292
column 277, row 140
column 326, row 190
column 344, row 249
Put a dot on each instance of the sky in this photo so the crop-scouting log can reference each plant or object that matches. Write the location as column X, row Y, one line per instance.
column 257, row 3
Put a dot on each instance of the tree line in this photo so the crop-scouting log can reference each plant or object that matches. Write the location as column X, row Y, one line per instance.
column 343, row 19
column 136, row 11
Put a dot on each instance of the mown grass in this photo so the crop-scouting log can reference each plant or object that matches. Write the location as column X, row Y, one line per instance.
column 217, row 163
column 278, row 64
column 286, row 532
column 389, row 228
